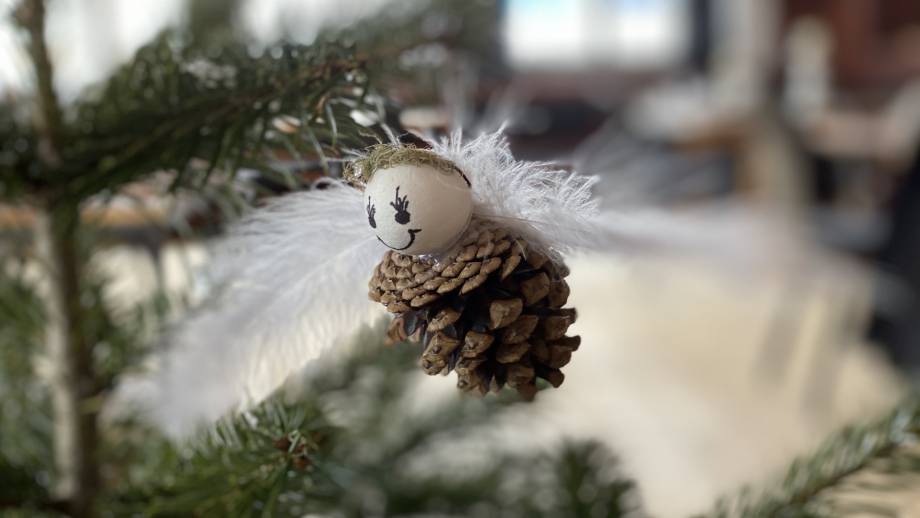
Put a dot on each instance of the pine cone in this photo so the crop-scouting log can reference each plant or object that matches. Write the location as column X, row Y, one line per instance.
column 491, row 311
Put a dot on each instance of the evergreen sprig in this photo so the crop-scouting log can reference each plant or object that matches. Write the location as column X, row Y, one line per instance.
column 18, row 162
column 348, row 444
column 179, row 106
column 25, row 427
column 812, row 484
column 172, row 105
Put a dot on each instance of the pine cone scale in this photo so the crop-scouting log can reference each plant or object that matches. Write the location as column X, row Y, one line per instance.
column 491, row 311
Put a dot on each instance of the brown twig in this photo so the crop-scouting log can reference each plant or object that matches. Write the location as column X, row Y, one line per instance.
column 31, row 16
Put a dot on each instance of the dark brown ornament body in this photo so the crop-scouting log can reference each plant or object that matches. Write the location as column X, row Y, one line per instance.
column 492, row 310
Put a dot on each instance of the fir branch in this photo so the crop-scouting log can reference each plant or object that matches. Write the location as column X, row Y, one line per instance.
column 176, row 102
column 810, row 482
column 24, row 406
column 17, row 156
column 18, row 160
column 21, row 492
column 349, row 446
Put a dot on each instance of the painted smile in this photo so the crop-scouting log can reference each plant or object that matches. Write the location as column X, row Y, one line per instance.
column 412, row 233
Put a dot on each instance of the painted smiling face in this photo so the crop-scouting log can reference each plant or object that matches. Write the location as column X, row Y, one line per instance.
column 418, row 209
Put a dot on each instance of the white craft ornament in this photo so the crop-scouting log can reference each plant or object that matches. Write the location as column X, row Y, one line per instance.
column 293, row 275
column 418, row 209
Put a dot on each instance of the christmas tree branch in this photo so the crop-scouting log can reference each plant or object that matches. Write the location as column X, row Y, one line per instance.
column 349, row 445
column 188, row 107
column 812, row 484
column 17, row 155
column 20, row 492
column 22, row 450
column 176, row 105
column 24, row 405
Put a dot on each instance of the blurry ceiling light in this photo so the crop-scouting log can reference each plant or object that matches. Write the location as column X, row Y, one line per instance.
column 545, row 33
column 301, row 20
column 580, row 34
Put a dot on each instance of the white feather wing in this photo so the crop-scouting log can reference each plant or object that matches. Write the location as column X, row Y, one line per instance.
column 556, row 210
column 550, row 207
column 292, row 280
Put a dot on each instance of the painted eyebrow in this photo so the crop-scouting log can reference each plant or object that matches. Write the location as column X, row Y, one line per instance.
column 465, row 179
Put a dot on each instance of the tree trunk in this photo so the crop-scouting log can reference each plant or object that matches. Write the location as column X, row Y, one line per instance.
column 73, row 381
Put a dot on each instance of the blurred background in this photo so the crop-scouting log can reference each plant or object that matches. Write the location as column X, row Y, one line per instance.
column 700, row 378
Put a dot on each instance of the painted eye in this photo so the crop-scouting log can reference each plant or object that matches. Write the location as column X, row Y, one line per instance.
column 401, row 205
column 371, row 211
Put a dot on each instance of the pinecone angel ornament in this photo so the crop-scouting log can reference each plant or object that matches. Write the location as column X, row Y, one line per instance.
column 482, row 299
column 460, row 243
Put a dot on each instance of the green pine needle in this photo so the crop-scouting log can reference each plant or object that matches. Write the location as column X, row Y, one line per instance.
column 813, row 484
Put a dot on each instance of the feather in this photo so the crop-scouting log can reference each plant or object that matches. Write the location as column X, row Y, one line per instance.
column 291, row 281
column 553, row 209
column 557, row 211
